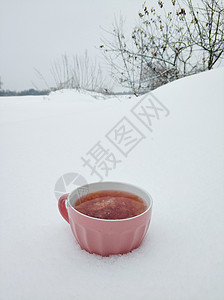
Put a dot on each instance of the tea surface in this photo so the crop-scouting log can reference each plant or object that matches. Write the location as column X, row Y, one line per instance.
column 110, row 204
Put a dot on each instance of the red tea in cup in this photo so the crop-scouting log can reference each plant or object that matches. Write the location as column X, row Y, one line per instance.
column 111, row 219
column 110, row 204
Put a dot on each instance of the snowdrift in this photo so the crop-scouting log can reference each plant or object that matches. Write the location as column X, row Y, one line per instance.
column 169, row 142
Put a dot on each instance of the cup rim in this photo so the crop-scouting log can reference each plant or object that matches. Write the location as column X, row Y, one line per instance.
column 111, row 220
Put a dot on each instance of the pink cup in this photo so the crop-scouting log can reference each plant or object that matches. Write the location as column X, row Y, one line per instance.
column 103, row 236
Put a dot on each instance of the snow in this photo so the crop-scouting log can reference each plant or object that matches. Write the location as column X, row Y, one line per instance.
column 180, row 163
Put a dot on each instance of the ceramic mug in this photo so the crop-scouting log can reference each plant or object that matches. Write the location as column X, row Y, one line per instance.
column 103, row 236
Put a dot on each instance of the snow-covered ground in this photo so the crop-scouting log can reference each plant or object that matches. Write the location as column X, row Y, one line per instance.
column 178, row 159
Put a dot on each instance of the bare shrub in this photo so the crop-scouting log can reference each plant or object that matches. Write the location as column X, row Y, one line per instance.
column 166, row 44
column 77, row 72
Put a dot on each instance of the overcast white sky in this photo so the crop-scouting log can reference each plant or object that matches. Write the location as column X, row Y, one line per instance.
column 34, row 33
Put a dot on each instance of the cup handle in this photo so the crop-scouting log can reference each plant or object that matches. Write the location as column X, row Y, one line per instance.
column 62, row 207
